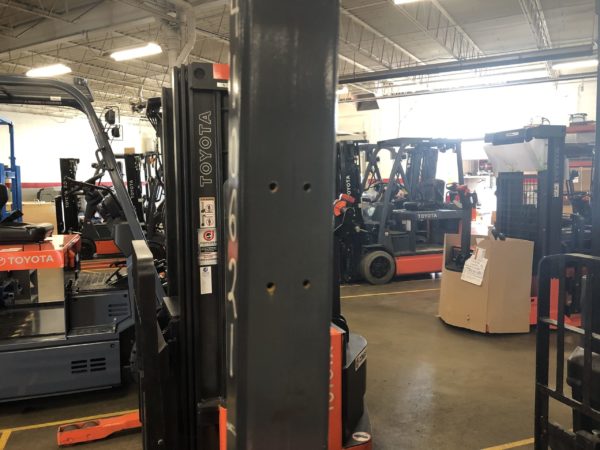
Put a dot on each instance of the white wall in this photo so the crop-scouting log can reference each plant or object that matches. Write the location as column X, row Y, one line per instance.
column 41, row 140
column 470, row 114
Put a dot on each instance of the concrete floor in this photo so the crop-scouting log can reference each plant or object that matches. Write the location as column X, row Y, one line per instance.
column 430, row 386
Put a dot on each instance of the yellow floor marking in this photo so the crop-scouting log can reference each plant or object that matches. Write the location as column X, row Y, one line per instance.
column 389, row 293
column 67, row 421
column 5, row 434
column 515, row 444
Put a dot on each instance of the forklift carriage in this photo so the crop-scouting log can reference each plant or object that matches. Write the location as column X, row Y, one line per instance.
column 562, row 279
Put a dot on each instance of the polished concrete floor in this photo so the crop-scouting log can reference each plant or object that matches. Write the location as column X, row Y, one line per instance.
column 430, row 386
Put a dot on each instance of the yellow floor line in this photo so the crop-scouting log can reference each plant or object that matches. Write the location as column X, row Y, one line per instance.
column 515, row 444
column 67, row 421
column 5, row 434
column 389, row 293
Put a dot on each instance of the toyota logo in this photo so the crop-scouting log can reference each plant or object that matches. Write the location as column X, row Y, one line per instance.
column 2, row 261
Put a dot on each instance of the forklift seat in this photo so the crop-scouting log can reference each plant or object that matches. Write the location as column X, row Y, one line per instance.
column 13, row 232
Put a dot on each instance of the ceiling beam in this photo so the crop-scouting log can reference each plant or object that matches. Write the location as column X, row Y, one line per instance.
column 532, row 9
column 49, row 33
column 354, row 63
column 377, row 35
column 38, row 12
column 432, row 19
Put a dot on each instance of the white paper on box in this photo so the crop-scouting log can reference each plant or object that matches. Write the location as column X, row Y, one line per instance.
column 474, row 270
column 206, row 280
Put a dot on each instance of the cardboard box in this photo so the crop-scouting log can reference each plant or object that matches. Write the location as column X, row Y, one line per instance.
column 40, row 212
column 503, row 301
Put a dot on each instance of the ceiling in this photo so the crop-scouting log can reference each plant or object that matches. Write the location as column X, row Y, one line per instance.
column 374, row 35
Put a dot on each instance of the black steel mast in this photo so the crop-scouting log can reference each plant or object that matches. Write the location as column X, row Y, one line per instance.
column 279, row 222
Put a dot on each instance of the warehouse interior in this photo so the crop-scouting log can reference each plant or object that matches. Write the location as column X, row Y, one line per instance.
column 349, row 224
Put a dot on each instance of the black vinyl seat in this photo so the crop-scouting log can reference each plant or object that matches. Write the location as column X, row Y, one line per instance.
column 13, row 232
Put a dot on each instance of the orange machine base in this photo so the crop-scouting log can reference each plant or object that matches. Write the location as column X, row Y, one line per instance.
column 416, row 264
column 94, row 430
column 574, row 320
column 107, row 247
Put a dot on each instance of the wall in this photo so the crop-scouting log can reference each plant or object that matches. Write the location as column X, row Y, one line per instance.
column 41, row 140
column 470, row 114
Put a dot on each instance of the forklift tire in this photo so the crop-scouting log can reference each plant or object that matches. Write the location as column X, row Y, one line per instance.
column 88, row 248
column 378, row 267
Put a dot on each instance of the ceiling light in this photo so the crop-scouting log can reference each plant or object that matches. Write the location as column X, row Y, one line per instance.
column 342, row 91
column 404, row 2
column 136, row 52
column 48, row 71
column 574, row 65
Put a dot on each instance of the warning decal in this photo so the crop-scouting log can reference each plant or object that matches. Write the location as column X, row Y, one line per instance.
column 208, row 218
column 207, row 234
column 208, row 237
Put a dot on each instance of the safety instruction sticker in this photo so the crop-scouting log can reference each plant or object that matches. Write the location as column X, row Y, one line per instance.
column 206, row 280
column 207, row 234
column 208, row 215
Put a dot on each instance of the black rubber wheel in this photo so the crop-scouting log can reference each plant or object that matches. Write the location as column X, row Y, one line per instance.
column 378, row 267
column 157, row 247
column 88, row 248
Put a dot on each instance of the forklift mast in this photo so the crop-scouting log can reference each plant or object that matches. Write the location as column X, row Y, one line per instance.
column 67, row 204
column 279, row 280
column 133, row 173
column 195, row 169
column 421, row 167
column 348, row 176
column 530, row 205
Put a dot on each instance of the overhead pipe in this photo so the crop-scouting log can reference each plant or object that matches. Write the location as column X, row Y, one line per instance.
column 190, row 29
column 472, row 64
column 564, row 78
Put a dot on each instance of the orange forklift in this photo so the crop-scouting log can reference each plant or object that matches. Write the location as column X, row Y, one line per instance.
column 396, row 225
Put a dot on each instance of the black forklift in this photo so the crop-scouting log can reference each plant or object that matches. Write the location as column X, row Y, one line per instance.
column 96, row 221
column 207, row 340
column 533, row 185
column 396, row 225
column 62, row 330
column 561, row 278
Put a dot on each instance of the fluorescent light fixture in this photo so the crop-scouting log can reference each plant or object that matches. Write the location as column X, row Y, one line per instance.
column 574, row 65
column 136, row 52
column 404, row 2
column 48, row 71
column 342, row 91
